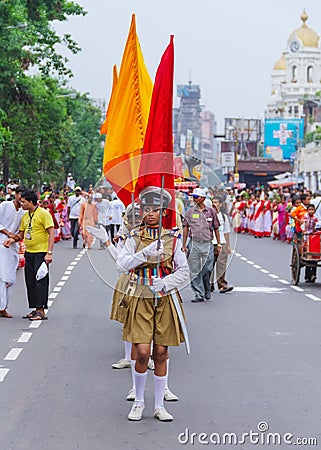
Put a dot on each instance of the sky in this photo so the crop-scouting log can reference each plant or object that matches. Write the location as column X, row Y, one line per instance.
column 228, row 47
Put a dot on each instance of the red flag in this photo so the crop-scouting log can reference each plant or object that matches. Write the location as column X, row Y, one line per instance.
column 157, row 157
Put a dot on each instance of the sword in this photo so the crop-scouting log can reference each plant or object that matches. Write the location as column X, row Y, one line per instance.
column 181, row 319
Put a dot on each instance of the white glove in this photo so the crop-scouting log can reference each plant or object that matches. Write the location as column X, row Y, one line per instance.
column 151, row 249
column 99, row 233
column 158, row 284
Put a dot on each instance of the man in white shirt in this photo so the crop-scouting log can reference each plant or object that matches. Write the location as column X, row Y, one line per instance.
column 118, row 211
column 10, row 219
column 74, row 204
column 221, row 259
column 105, row 212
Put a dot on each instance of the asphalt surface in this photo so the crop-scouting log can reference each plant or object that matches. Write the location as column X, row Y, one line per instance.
column 254, row 362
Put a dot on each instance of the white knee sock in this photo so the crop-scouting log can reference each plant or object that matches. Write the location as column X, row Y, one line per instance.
column 132, row 363
column 159, row 389
column 128, row 350
column 140, row 381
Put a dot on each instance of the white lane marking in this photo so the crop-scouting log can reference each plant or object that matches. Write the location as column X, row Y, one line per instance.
column 25, row 337
column 50, row 303
column 273, row 276
column 243, row 258
column 257, row 266
column 262, row 289
column 57, row 289
column 279, row 333
column 313, row 297
column 68, row 272
column 237, row 254
column 297, row 288
column 82, row 252
column 264, row 271
column 35, row 324
column 60, row 283
column 74, row 263
column 77, row 259
column 250, row 262
column 13, row 354
column 64, row 278
column 69, row 268
column 283, row 281
column 53, row 295
column 3, row 373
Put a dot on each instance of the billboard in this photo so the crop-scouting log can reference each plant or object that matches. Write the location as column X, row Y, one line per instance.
column 282, row 137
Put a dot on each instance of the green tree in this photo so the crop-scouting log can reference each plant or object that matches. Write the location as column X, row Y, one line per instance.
column 83, row 151
column 28, row 40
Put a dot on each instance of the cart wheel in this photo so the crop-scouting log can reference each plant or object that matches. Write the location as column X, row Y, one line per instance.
column 295, row 265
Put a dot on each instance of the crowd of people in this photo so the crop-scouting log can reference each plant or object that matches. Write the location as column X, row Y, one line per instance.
column 152, row 261
column 279, row 214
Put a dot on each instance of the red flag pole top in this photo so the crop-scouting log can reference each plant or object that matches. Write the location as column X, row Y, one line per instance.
column 157, row 157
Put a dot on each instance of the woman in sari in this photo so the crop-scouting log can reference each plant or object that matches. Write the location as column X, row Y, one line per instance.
column 282, row 218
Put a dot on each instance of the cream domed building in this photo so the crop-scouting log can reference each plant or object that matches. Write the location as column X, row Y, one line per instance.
column 296, row 78
column 297, row 74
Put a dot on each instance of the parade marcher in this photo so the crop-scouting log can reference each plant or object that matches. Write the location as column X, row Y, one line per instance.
column 200, row 222
column 150, row 311
column 298, row 212
column 130, row 221
column 251, row 208
column 10, row 219
column 308, row 226
column 87, row 217
column 118, row 211
column 104, row 210
column 222, row 257
column 267, row 216
column 283, row 218
column 37, row 230
column 238, row 210
column 258, row 217
column 62, row 209
column 74, row 204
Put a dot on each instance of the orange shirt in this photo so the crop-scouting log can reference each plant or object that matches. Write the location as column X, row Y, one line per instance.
column 299, row 212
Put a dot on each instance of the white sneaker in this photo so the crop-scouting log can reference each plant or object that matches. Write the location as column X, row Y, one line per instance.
column 151, row 364
column 131, row 395
column 162, row 415
column 121, row 364
column 136, row 413
column 169, row 396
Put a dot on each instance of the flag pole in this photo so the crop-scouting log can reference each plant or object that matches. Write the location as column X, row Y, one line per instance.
column 133, row 211
column 160, row 225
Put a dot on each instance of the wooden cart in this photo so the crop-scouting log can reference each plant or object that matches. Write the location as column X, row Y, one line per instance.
column 306, row 252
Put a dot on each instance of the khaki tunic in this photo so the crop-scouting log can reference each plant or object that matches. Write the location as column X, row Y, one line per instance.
column 143, row 321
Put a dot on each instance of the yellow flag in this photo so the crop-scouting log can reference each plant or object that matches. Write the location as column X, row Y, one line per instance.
column 128, row 119
column 104, row 125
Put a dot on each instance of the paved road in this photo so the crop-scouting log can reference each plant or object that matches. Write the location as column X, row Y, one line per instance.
column 255, row 358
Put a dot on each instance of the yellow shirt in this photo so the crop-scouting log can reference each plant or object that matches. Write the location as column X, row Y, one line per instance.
column 34, row 225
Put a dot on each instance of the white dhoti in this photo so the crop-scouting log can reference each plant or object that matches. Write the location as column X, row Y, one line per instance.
column 8, row 268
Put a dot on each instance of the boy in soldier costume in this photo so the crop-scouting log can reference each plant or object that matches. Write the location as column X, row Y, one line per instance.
column 150, row 311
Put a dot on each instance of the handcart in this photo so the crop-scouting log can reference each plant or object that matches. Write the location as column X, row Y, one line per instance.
column 306, row 252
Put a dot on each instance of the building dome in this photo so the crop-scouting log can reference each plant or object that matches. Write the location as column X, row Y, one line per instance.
column 280, row 64
column 307, row 36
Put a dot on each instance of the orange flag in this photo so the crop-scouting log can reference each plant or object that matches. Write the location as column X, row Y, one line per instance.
column 104, row 125
column 128, row 119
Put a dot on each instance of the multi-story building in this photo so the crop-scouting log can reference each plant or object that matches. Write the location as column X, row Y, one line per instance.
column 193, row 128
